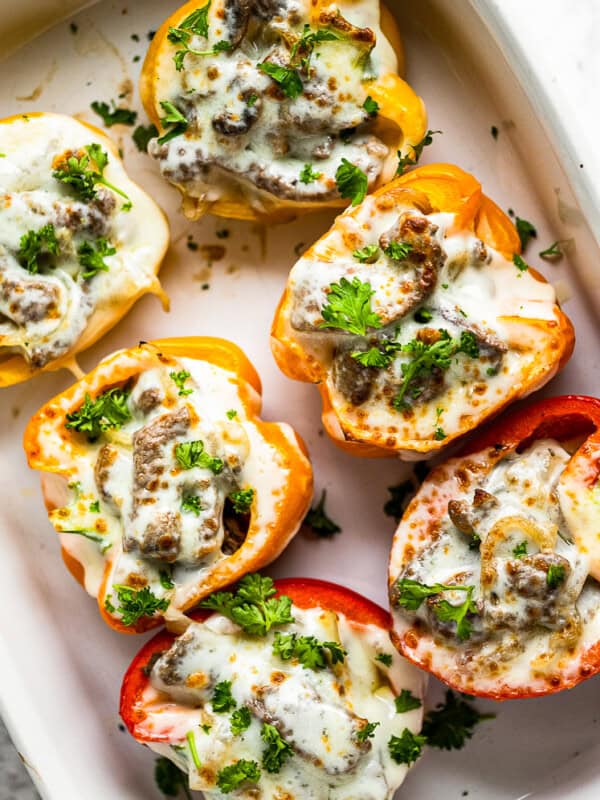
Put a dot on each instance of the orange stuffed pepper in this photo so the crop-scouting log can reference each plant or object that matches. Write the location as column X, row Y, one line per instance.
column 270, row 109
column 418, row 318
column 79, row 242
column 162, row 481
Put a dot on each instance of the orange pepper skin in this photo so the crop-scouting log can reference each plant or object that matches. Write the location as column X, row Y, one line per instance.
column 258, row 549
column 401, row 121
column 431, row 188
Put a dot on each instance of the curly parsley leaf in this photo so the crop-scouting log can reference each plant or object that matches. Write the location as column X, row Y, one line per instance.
column 406, row 701
column 192, row 504
column 142, row 136
column 411, row 161
column 371, row 106
column 193, row 454
column 240, row 720
column 170, row 779
column 242, row 500
column 367, row 732
column 196, row 24
column 34, row 244
column 233, row 776
column 307, row 42
column 175, row 119
column 91, row 257
column 520, row 263
column 380, row 356
column 410, row 594
column 76, row 171
column 308, row 174
column 111, row 115
column 308, row 650
column 406, row 749
column 253, row 606
column 179, row 378
column 135, row 603
column 398, row 251
column 526, row 231
column 450, row 724
column 367, row 254
column 348, row 307
column 520, row 550
column 352, row 182
column 222, row 699
column 447, row 612
column 286, row 78
column 555, row 575
column 277, row 751
column 318, row 520
column 108, row 411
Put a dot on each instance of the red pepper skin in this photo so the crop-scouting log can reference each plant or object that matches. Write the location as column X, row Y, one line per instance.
column 563, row 418
column 304, row 592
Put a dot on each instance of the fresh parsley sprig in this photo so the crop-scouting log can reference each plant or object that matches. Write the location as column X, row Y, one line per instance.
column 379, row 356
column 417, row 151
column 173, row 117
column 196, row 24
column 308, row 650
column 76, row 171
column 142, row 136
column 406, row 701
column 308, row 174
column 286, row 78
column 367, row 254
column 305, row 45
column 222, row 700
column 427, row 357
column 242, row 500
column 170, row 779
column 367, row 732
column 92, row 255
column 411, row 594
column 111, row 115
column 352, row 182
column 108, row 411
column 192, row 504
column 450, row 724
column 193, row 454
column 398, row 251
column 134, row 603
column 277, row 751
column 241, row 719
column 407, row 748
column 319, row 521
column 253, row 606
column 34, row 244
column 348, row 307
column 233, row 776
column 526, row 231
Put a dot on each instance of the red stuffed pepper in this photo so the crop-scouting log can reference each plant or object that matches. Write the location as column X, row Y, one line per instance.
column 288, row 690
column 495, row 566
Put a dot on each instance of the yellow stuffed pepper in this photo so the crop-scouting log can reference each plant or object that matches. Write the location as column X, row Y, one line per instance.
column 272, row 108
column 79, row 242
column 418, row 318
column 162, row 481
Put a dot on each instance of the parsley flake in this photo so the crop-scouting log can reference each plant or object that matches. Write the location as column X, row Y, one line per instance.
column 406, row 749
column 406, row 701
column 379, row 357
column 135, row 603
column 241, row 720
column 108, row 411
column 164, row 577
column 95, row 507
column 398, row 251
column 231, row 414
column 91, row 257
column 142, row 136
column 222, row 699
column 348, row 307
column 34, row 244
column 367, row 254
column 526, row 231
column 286, row 78
column 233, row 776
column 253, row 606
column 174, row 118
column 371, row 106
column 411, row 161
column 450, row 724
column 242, row 500
column 318, row 520
column 113, row 115
column 308, row 175
column 384, row 658
column 179, row 379
column 367, row 732
column 555, row 575
column 352, row 182
column 191, row 503
column 519, row 263
column 520, row 550
column 277, row 751
column 193, row 454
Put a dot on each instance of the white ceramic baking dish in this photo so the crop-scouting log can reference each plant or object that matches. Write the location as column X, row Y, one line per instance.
column 60, row 667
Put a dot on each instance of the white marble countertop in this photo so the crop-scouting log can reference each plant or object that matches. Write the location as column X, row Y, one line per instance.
column 563, row 38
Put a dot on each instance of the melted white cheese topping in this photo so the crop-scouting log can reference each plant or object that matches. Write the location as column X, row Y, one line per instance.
column 476, row 289
column 318, row 712
column 121, row 523
column 243, row 133
column 536, row 608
